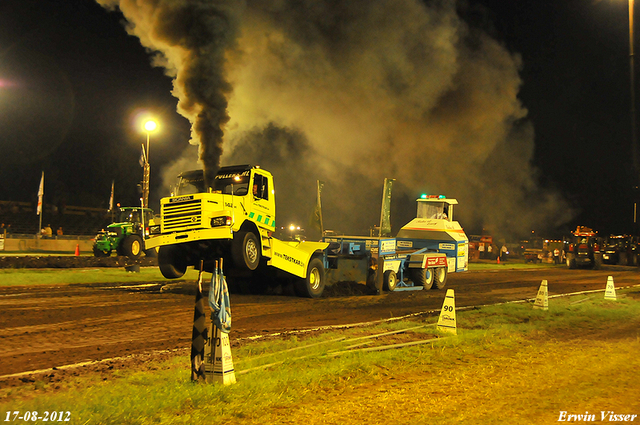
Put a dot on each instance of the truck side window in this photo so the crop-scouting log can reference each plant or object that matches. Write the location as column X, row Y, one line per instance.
column 265, row 188
column 260, row 189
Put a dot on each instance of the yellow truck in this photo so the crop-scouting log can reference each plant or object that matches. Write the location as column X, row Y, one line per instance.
column 233, row 219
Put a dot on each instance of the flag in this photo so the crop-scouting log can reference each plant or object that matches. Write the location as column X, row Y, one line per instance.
column 111, row 199
column 385, row 213
column 219, row 300
column 199, row 335
column 143, row 157
column 315, row 220
column 40, row 194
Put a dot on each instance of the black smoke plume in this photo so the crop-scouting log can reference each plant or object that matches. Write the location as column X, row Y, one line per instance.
column 190, row 39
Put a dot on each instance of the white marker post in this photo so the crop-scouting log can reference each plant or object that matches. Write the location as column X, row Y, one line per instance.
column 218, row 365
column 542, row 300
column 447, row 319
column 610, row 293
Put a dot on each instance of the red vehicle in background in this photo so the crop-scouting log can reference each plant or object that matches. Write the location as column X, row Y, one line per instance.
column 583, row 248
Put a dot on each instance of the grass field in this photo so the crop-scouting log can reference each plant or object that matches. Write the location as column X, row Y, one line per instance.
column 14, row 277
column 508, row 364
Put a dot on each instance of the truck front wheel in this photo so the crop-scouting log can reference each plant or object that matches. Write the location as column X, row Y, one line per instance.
column 313, row 285
column 246, row 250
column 172, row 262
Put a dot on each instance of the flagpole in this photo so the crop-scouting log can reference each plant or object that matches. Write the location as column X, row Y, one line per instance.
column 111, row 201
column 319, row 187
column 39, row 208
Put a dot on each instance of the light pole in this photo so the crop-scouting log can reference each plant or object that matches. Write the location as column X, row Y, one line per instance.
column 149, row 126
column 634, row 148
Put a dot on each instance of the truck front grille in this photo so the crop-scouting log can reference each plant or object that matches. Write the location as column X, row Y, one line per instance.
column 181, row 216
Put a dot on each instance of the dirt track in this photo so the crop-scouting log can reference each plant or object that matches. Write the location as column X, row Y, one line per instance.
column 51, row 326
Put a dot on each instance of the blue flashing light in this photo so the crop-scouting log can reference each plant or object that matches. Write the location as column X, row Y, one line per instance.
column 423, row 196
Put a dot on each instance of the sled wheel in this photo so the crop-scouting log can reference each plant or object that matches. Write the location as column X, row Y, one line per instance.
column 422, row 277
column 440, row 278
column 390, row 281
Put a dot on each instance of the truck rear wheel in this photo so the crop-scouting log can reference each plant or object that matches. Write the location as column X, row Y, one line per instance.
column 132, row 246
column 571, row 261
column 440, row 278
column 422, row 277
column 246, row 250
column 172, row 262
column 313, row 285
column 390, row 281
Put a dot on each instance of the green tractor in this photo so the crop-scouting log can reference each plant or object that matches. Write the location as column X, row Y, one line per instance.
column 126, row 235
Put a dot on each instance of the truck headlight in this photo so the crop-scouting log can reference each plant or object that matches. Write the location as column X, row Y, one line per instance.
column 221, row 221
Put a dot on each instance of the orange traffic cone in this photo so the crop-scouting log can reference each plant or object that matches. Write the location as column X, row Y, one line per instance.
column 77, row 250
column 498, row 259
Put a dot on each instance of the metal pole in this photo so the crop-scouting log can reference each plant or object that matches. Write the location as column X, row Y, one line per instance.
column 147, row 156
column 145, row 183
column 632, row 88
column 634, row 147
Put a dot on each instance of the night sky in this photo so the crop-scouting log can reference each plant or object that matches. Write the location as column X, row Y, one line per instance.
column 74, row 86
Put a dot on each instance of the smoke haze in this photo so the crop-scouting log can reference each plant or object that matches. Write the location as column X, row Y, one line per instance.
column 351, row 93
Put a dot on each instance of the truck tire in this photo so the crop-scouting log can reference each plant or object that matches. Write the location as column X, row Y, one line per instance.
column 132, row 246
column 390, row 281
column 422, row 277
column 597, row 261
column 172, row 262
column 571, row 261
column 246, row 250
column 440, row 278
column 313, row 285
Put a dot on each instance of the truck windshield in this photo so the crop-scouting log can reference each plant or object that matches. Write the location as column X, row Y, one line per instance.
column 432, row 210
column 189, row 183
column 234, row 185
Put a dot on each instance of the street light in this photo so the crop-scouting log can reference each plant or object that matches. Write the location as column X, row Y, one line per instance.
column 149, row 126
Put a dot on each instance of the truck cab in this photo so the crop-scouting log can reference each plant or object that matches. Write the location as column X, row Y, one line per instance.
column 235, row 215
